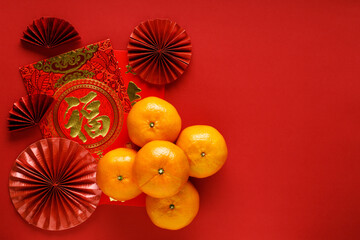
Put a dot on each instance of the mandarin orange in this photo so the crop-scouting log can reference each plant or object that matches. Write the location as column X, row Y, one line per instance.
column 174, row 212
column 205, row 148
column 153, row 119
column 161, row 169
column 114, row 174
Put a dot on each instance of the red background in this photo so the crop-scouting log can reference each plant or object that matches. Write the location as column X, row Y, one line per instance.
column 279, row 79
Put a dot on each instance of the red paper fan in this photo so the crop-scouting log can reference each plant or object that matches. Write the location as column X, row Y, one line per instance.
column 159, row 51
column 28, row 111
column 50, row 32
column 53, row 184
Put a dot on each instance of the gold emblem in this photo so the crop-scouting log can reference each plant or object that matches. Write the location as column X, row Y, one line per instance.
column 100, row 125
column 88, row 112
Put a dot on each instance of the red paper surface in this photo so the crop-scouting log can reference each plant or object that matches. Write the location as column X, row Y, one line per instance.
column 279, row 79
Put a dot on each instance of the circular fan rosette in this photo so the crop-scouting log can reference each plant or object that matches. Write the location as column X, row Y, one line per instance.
column 53, row 184
column 28, row 111
column 159, row 51
column 50, row 32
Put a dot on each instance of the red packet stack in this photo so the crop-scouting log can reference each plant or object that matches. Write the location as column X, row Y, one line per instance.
column 94, row 89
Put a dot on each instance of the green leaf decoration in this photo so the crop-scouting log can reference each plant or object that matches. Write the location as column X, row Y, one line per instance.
column 99, row 154
column 132, row 91
column 129, row 69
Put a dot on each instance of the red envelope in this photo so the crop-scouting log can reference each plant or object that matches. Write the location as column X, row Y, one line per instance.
column 94, row 88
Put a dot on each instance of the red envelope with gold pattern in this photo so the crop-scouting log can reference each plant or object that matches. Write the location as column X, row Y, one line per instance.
column 94, row 88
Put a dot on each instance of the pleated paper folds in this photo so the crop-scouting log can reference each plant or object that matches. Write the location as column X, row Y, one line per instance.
column 50, row 32
column 159, row 51
column 53, row 184
column 28, row 111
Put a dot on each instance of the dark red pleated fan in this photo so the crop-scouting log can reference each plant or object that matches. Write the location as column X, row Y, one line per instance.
column 53, row 184
column 159, row 51
column 28, row 111
column 50, row 32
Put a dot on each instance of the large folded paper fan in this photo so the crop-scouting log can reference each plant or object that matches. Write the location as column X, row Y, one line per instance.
column 50, row 32
column 53, row 184
column 28, row 111
column 159, row 51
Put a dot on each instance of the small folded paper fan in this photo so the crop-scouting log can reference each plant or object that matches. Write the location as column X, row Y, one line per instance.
column 52, row 184
column 50, row 32
column 28, row 111
column 159, row 51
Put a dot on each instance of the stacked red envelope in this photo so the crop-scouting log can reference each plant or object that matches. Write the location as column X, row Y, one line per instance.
column 94, row 88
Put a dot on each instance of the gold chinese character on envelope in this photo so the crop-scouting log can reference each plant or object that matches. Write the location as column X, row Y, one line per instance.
column 89, row 112
column 100, row 125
